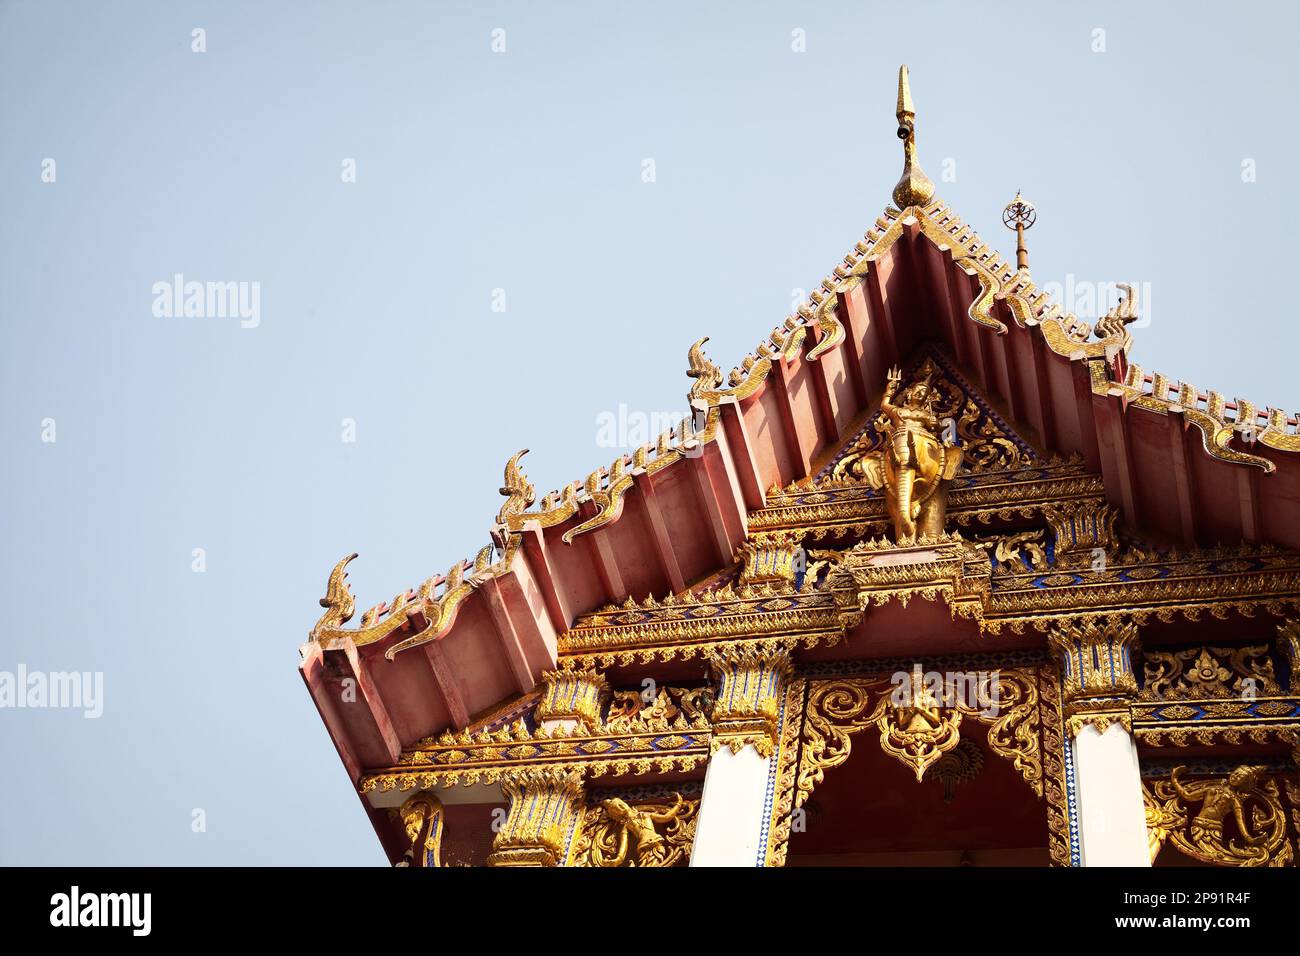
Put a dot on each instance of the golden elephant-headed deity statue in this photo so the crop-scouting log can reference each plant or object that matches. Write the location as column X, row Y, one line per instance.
column 916, row 462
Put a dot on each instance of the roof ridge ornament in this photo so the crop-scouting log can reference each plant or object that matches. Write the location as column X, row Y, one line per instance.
column 914, row 186
column 1019, row 214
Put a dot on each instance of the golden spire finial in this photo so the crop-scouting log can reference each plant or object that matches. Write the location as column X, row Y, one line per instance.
column 1019, row 215
column 914, row 187
column 906, row 114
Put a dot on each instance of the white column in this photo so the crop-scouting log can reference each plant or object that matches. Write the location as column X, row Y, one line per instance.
column 729, row 826
column 1098, row 684
column 730, row 820
column 1112, row 813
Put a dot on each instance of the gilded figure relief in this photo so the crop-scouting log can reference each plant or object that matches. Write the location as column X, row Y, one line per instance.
column 655, row 833
column 915, row 462
column 1237, row 820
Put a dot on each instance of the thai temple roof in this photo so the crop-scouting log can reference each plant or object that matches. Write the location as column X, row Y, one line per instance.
column 1188, row 467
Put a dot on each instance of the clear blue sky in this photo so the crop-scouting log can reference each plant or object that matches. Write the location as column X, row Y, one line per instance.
column 478, row 171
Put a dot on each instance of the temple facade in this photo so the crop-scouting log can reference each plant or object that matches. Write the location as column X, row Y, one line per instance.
column 937, row 575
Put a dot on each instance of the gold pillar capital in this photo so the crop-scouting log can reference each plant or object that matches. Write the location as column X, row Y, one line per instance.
column 770, row 559
column 1098, row 681
column 544, row 803
column 747, row 710
column 572, row 695
column 1082, row 528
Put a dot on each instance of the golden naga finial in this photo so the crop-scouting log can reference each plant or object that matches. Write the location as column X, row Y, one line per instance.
column 1019, row 214
column 1125, row 313
column 914, row 187
column 338, row 602
column 707, row 375
column 516, row 489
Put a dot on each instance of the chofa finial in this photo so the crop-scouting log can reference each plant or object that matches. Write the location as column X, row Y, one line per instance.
column 914, row 187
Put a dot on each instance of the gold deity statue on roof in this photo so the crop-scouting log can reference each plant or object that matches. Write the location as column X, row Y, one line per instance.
column 916, row 462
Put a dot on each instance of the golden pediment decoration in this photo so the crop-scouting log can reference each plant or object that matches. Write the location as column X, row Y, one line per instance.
column 917, row 459
column 1274, row 708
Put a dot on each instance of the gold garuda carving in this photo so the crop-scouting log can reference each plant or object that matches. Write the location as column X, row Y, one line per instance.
column 654, row 833
column 917, row 730
column 1236, row 820
column 916, row 462
column 920, row 723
